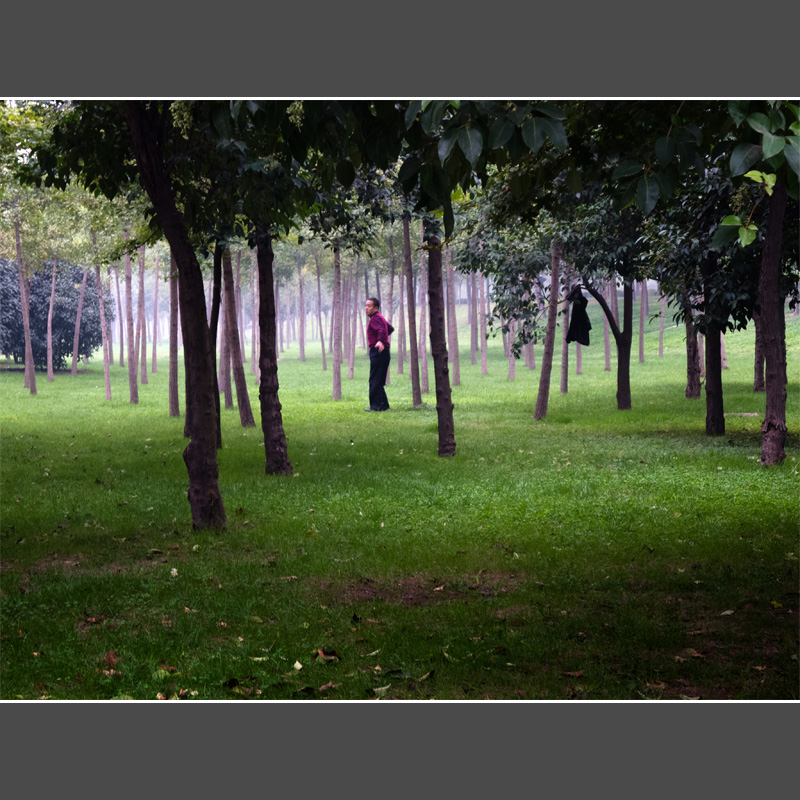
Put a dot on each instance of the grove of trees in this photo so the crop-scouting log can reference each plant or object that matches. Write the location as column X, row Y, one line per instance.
column 268, row 219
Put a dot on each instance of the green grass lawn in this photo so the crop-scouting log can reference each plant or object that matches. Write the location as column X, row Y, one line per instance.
column 597, row 554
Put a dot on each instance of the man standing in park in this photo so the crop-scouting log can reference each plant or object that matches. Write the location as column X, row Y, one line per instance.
column 378, row 332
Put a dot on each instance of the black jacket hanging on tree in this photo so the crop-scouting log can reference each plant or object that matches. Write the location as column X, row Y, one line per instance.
column 579, row 325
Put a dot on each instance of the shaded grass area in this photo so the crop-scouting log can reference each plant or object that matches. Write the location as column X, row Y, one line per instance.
column 595, row 555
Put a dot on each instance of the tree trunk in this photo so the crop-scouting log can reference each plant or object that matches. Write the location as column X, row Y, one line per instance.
column 142, row 317
column 174, row 402
column 473, row 320
column 50, row 376
column 301, row 311
column 701, row 354
column 692, row 356
column 758, row 371
column 353, row 322
column 111, row 327
column 77, row 335
column 319, row 313
column 422, row 346
column 24, row 302
column 416, row 392
column 606, row 338
column 234, row 351
column 484, row 302
column 200, row 456
column 278, row 314
column 337, row 324
column 550, row 335
column 452, row 323
column 224, row 372
column 642, row 316
column 121, row 316
column 770, row 301
column 213, row 327
column 154, row 367
column 277, row 456
column 444, row 403
column 715, row 415
column 565, row 347
column 401, row 320
column 104, row 330
column 253, row 314
column 133, row 381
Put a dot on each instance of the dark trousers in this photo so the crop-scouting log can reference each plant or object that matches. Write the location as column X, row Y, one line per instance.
column 378, row 367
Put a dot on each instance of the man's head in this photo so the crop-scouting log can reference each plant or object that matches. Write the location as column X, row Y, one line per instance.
column 372, row 306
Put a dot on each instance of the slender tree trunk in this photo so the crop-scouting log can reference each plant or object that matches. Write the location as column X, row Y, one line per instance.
column 50, row 376
column 154, row 367
column 337, row 324
column 550, row 335
column 133, row 382
column 77, row 335
column 319, row 313
column 213, row 328
column 24, row 302
column 111, row 327
column 234, row 351
column 121, row 315
column 624, row 350
column 564, row 347
column 473, row 320
column 701, row 354
column 174, row 402
column 301, row 311
column 692, row 355
column 642, row 317
column 482, row 300
column 200, row 456
column 770, row 300
column 452, row 323
column 104, row 329
column 142, row 317
column 422, row 347
column 276, row 452
column 606, row 338
column 715, row 415
column 416, row 393
column 351, row 351
column 239, row 307
column 224, row 372
column 401, row 320
column 253, row 314
column 444, row 403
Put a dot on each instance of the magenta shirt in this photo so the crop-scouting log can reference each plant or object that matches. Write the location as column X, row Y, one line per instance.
column 377, row 330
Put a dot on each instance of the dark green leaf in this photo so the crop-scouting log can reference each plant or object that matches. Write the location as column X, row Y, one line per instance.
column 732, row 219
column 220, row 119
column 532, row 134
column 746, row 236
column 647, row 192
column 724, row 235
column 470, row 140
column 759, row 122
column 555, row 133
column 738, row 110
column 665, row 150
column 772, row 145
column 550, row 110
column 626, row 169
column 411, row 112
column 500, row 133
column 408, row 171
column 743, row 157
column 792, row 153
column 449, row 219
column 666, row 184
column 446, row 144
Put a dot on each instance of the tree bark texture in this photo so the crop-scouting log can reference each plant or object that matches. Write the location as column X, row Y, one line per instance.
column 232, row 335
column 452, row 323
column 715, row 415
column 77, row 335
column 275, row 449
column 770, row 301
column 121, row 315
column 543, row 397
column 24, row 302
column 208, row 510
column 174, row 401
column 444, row 403
column 692, row 357
column 133, row 381
column 413, row 360
column 422, row 347
column 337, row 324
column 319, row 314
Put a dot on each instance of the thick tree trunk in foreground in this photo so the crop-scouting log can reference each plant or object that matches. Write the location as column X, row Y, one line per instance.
column 715, row 415
column 444, row 403
column 758, row 361
column 77, row 335
column 692, row 357
column 174, row 402
column 550, row 335
column 770, row 300
column 413, row 360
column 275, row 450
column 232, row 335
column 208, row 511
column 50, row 376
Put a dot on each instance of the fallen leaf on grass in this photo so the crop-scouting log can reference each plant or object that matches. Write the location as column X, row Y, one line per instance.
column 325, row 655
column 726, row 613
column 425, row 676
column 382, row 690
column 439, row 588
column 297, row 665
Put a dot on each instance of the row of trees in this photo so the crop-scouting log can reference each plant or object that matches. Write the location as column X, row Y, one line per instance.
column 609, row 190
